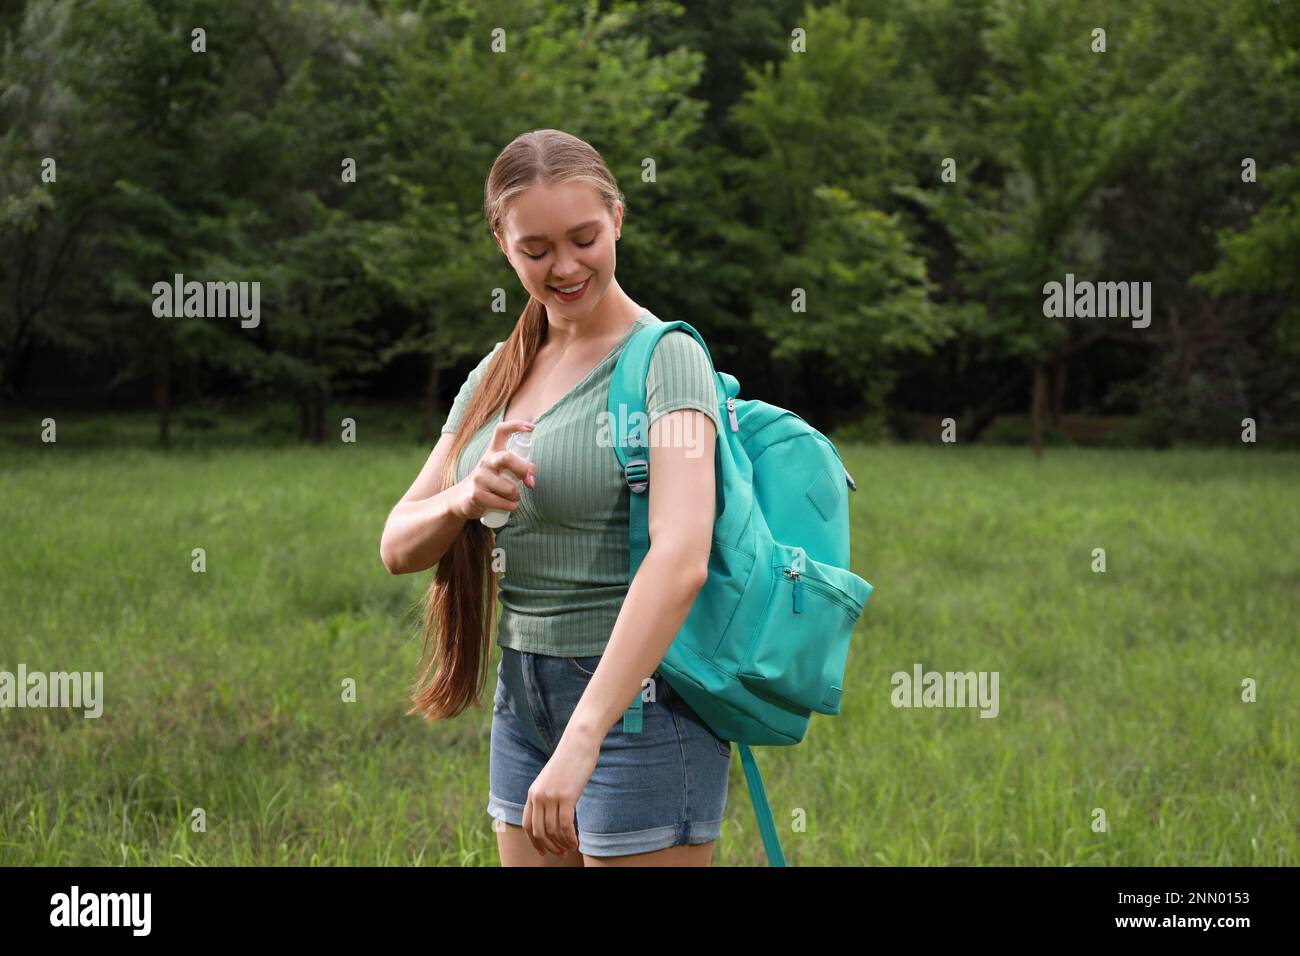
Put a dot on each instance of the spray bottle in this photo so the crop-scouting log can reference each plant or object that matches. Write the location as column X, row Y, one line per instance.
column 521, row 443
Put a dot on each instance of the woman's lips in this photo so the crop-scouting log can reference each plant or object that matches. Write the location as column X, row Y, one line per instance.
column 572, row 296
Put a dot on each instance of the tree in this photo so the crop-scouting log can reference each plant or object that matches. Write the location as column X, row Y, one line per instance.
column 1064, row 122
column 833, row 135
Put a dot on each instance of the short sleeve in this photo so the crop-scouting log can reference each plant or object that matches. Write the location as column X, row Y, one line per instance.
column 467, row 391
column 681, row 376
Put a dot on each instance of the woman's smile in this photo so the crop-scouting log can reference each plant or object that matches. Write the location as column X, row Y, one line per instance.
column 574, row 293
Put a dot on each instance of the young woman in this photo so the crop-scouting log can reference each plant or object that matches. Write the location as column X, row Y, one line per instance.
column 578, row 643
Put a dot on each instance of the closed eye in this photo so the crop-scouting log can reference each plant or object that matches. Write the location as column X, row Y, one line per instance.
column 584, row 245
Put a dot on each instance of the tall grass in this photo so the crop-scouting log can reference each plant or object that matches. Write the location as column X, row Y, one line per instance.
column 224, row 690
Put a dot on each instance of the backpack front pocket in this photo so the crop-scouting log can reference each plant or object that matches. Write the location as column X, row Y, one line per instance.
column 798, row 651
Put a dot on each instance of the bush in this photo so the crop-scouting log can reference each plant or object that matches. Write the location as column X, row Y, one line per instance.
column 197, row 419
column 1019, row 430
column 870, row 429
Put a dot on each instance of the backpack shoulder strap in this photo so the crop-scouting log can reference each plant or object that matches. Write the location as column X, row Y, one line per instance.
column 762, row 812
column 627, row 398
column 626, row 406
column 627, row 391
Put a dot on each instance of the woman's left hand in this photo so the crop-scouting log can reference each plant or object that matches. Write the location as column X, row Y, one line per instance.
column 553, row 797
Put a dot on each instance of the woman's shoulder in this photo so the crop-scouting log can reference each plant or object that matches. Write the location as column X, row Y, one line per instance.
column 675, row 339
column 486, row 360
column 679, row 344
column 467, row 389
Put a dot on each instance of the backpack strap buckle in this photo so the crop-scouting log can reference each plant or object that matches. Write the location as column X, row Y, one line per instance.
column 632, row 716
column 637, row 474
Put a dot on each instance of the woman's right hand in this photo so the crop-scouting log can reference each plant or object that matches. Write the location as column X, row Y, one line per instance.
column 483, row 489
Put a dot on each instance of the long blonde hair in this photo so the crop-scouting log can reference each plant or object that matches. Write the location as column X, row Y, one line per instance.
column 460, row 604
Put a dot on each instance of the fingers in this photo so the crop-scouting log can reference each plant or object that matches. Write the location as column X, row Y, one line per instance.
column 508, row 460
column 499, row 469
column 542, row 825
column 564, row 834
column 570, row 830
column 527, row 824
column 498, row 485
column 560, row 831
column 531, row 822
column 550, row 835
column 490, row 490
column 501, row 434
column 486, row 501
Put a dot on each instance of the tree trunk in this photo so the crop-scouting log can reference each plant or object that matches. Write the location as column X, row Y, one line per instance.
column 430, row 399
column 162, row 395
column 311, row 413
column 1039, row 403
column 318, row 397
column 1058, row 392
column 983, row 416
column 13, row 378
column 321, row 415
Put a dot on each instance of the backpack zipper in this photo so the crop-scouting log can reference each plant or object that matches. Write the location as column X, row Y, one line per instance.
column 798, row 591
column 828, row 591
column 731, row 414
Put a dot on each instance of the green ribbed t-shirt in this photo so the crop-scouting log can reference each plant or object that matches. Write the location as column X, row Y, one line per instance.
column 565, row 546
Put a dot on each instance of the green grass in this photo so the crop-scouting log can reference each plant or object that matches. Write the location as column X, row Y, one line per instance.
column 223, row 690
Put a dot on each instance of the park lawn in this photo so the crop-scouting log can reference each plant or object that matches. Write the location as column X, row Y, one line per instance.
column 1119, row 691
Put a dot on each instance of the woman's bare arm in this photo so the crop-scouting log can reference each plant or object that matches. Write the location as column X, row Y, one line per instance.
column 427, row 519
column 682, row 492
column 421, row 526
column 681, row 512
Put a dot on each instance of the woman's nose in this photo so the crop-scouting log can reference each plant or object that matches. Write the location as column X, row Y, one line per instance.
column 566, row 267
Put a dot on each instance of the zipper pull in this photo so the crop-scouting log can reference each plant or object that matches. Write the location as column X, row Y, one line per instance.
column 798, row 591
column 731, row 415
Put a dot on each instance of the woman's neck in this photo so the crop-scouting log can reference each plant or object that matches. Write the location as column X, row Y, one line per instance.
column 609, row 320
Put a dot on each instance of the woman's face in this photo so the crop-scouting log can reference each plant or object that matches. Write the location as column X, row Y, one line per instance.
column 562, row 236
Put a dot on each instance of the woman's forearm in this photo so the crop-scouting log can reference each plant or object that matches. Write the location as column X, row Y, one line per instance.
column 656, row 605
column 418, row 533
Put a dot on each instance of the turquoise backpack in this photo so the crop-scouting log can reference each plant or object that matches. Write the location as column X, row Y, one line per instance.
column 765, row 643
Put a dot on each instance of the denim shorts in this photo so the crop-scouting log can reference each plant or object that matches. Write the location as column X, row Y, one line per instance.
column 662, row 787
